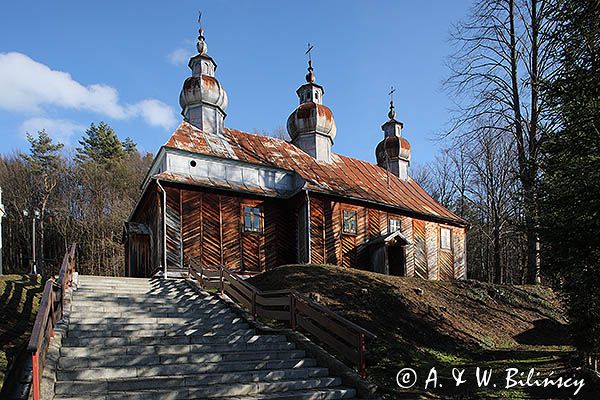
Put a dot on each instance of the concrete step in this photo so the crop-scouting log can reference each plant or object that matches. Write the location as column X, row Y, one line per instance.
column 136, row 301
column 241, row 389
column 100, row 290
column 103, row 319
column 149, row 312
column 162, row 382
column 334, row 393
column 102, row 373
column 142, row 310
column 156, row 359
column 184, row 393
column 92, row 293
column 199, row 323
column 206, row 332
column 223, row 338
column 88, row 351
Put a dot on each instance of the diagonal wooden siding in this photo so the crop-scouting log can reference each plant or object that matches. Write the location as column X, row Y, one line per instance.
column 407, row 231
column 231, row 215
column 191, row 223
column 210, row 226
column 432, row 240
column 420, row 249
column 332, row 233
column 317, row 231
column 362, row 235
column 173, row 230
column 374, row 223
column 460, row 255
column 211, row 230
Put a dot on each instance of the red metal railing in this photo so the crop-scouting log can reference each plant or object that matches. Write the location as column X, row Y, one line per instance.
column 345, row 338
column 51, row 310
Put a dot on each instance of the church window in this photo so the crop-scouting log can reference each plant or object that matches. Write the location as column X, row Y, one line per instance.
column 252, row 219
column 394, row 225
column 349, row 222
column 445, row 235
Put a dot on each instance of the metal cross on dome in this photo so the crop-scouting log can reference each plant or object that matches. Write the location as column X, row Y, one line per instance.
column 309, row 52
column 391, row 94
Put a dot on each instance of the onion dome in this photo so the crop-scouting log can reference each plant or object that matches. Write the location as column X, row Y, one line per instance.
column 392, row 148
column 203, row 89
column 393, row 152
column 202, row 99
column 311, row 125
column 311, row 118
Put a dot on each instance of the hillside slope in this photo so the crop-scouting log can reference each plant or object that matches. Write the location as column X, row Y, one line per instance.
column 423, row 324
column 19, row 300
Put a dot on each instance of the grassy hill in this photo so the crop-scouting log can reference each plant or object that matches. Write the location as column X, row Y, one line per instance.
column 19, row 300
column 461, row 324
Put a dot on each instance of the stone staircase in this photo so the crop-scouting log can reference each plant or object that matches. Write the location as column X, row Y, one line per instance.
column 131, row 338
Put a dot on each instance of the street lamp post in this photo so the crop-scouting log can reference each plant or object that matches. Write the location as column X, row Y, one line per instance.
column 2, row 214
column 36, row 215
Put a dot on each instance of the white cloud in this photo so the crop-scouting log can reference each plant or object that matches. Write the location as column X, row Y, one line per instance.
column 60, row 130
column 179, row 56
column 29, row 86
column 154, row 112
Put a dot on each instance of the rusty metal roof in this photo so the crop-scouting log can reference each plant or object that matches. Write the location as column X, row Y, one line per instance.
column 221, row 184
column 344, row 176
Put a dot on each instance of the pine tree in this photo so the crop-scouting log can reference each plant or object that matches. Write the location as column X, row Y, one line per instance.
column 129, row 146
column 570, row 218
column 100, row 144
column 45, row 163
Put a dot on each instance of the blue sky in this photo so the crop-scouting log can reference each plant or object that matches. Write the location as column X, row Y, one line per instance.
column 65, row 64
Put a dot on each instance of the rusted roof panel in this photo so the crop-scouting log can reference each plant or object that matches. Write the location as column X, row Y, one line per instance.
column 344, row 176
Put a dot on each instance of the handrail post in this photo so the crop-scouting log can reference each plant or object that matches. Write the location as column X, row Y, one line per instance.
column 362, row 367
column 62, row 298
column 221, row 280
column 52, row 319
column 254, row 304
column 36, row 375
column 293, row 311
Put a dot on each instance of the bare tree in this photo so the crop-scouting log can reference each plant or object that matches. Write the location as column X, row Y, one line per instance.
column 503, row 52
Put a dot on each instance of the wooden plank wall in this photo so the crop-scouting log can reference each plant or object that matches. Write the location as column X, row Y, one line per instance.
column 174, row 245
column 460, row 252
column 407, row 231
column 420, row 249
column 149, row 214
column 209, row 226
column 333, row 252
column 432, row 241
column 424, row 258
column 211, row 230
column 317, row 231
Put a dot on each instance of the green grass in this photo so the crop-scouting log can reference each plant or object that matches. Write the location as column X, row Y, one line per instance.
column 19, row 301
column 462, row 324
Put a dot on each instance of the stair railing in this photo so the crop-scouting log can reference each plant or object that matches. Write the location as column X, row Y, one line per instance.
column 50, row 311
column 342, row 336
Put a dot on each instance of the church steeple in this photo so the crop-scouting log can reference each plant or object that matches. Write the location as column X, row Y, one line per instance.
column 203, row 100
column 393, row 152
column 311, row 126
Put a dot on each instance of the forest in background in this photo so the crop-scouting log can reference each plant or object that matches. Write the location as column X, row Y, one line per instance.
column 83, row 196
column 521, row 162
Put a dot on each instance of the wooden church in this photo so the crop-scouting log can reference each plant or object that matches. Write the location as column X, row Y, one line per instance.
column 251, row 203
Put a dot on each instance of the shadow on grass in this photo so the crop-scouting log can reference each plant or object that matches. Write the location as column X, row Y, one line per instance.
column 423, row 324
column 18, row 308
